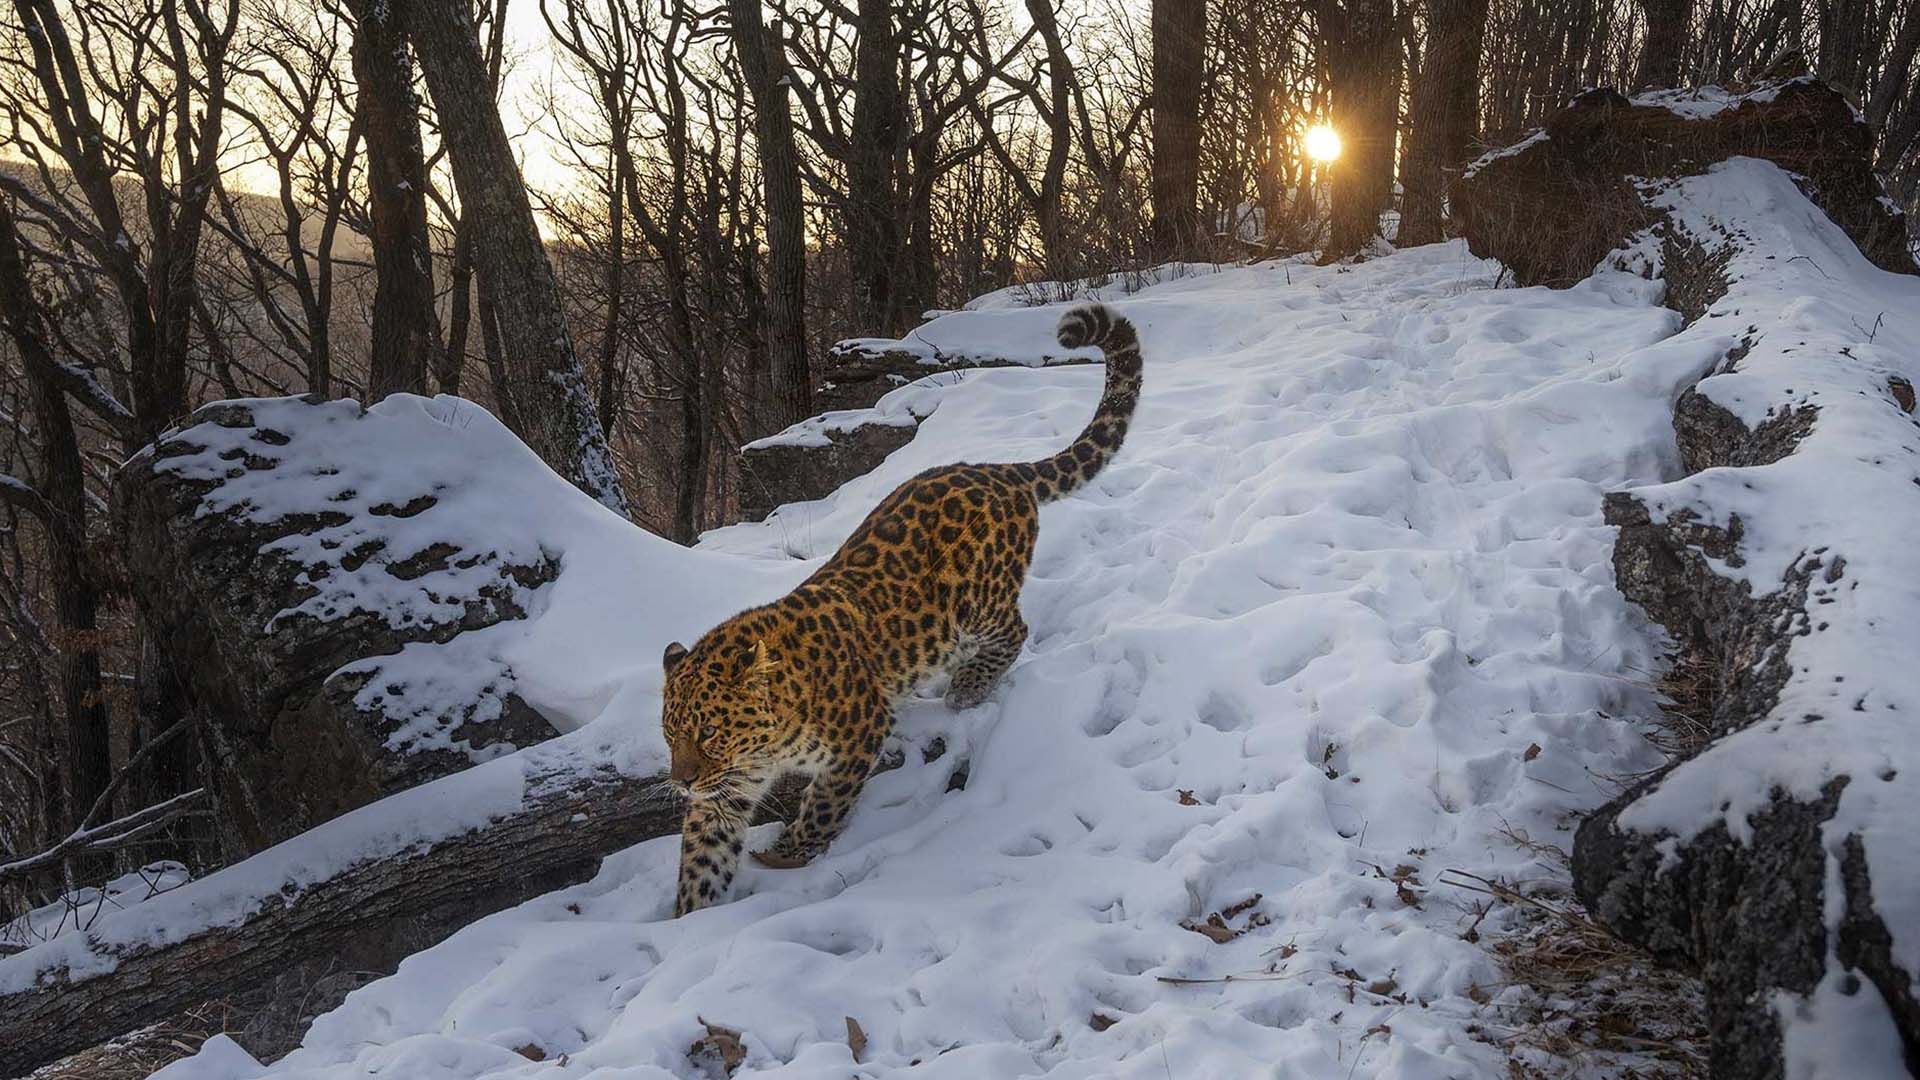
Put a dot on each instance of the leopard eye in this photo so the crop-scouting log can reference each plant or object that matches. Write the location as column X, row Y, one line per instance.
column 706, row 731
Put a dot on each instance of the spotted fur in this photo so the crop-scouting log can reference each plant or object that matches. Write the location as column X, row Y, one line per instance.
column 809, row 683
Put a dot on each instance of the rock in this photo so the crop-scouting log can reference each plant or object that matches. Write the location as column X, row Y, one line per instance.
column 1554, row 205
column 1748, row 915
column 286, row 631
column 854, row 435
column 1773, row 903
column 777, row 473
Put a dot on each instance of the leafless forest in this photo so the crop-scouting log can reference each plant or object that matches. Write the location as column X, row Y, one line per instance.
column 203, row 199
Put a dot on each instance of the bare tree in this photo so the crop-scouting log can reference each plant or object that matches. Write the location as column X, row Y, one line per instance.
column 57, row 500
column 874, row 141
column 406, row 332
column 169, row 129
column 144, row 99
column 763, row 69
column 1363, row 46
column 1179, row 70
column 544, row 379
column 289, row 92
column 1664, row 48
column 1444, row 115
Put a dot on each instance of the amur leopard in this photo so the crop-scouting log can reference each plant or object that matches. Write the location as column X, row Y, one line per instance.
column 808, row 684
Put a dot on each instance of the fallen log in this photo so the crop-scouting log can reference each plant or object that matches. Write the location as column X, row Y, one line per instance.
column 362, row 891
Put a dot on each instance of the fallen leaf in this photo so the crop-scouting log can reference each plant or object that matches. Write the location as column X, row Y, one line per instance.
column 856, row 1039
column 1234, row 909
column 531, row 1052
column 1101, row 1021
column 1187, row 799
column 1380, row 1029
column 1533, row 751
column 1902, row 392
column 1478, row 994
column 720, row 1046
column 1287, row 950
column 1407, row 896
column 1214, row 929
column 1383, row 986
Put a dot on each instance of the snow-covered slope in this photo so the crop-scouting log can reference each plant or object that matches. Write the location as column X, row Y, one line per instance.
column 1340, row 613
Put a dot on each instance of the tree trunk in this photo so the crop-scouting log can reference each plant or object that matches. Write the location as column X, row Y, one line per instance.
column 1363, row 44
column 160, row 702
column 453, row 358
column 1665, row 45
column 552, row 408
column 609, row 404
column 62, row 486
column 1895, row 76
column 1844, row 44
column 690, row 492
column 406, row 333
column 1059, row 121
column 1446, row 115
column 1179, row 65
column 873, row 226
column 764, row 70
column 493, row 352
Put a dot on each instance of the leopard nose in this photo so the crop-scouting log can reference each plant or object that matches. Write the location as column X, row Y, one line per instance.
column 684, row 769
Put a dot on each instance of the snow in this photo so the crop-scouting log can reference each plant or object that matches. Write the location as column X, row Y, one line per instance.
column 1340, row 613
column 1496, row 154
column 82, row 907
column 1704, row 102
column 902, row 407
column 1343, row 605
column 1828, row 329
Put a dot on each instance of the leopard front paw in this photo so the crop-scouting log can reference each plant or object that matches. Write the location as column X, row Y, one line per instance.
column 785, row 854
column 960, row 699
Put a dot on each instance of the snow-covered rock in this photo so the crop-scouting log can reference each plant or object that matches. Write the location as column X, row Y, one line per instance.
column 1780, row 861
column 358, row 597
column 1555, row 203
column 874, row 393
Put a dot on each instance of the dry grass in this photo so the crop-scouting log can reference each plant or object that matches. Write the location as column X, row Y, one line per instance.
column 138, row 1054
column 1587, row 1004
column 1690, row 686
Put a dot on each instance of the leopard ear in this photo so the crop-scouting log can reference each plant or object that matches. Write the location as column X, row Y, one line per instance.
column 760, row 666
column 675, row 653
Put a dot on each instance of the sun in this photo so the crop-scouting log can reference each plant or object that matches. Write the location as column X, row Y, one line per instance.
column 1323, row 143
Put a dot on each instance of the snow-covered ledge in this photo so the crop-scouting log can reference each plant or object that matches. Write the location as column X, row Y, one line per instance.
column 1780, row 860
column 876, row 392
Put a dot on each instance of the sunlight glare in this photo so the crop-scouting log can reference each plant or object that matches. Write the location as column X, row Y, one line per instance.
column 1323, row 143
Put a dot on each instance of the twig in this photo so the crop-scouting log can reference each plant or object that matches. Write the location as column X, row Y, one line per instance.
column 1815, row 265
column 116, row 833
column 1873, row 333
column 105, row 801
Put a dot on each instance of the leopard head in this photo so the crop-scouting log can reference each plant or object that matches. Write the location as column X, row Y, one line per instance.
column 718, row 713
